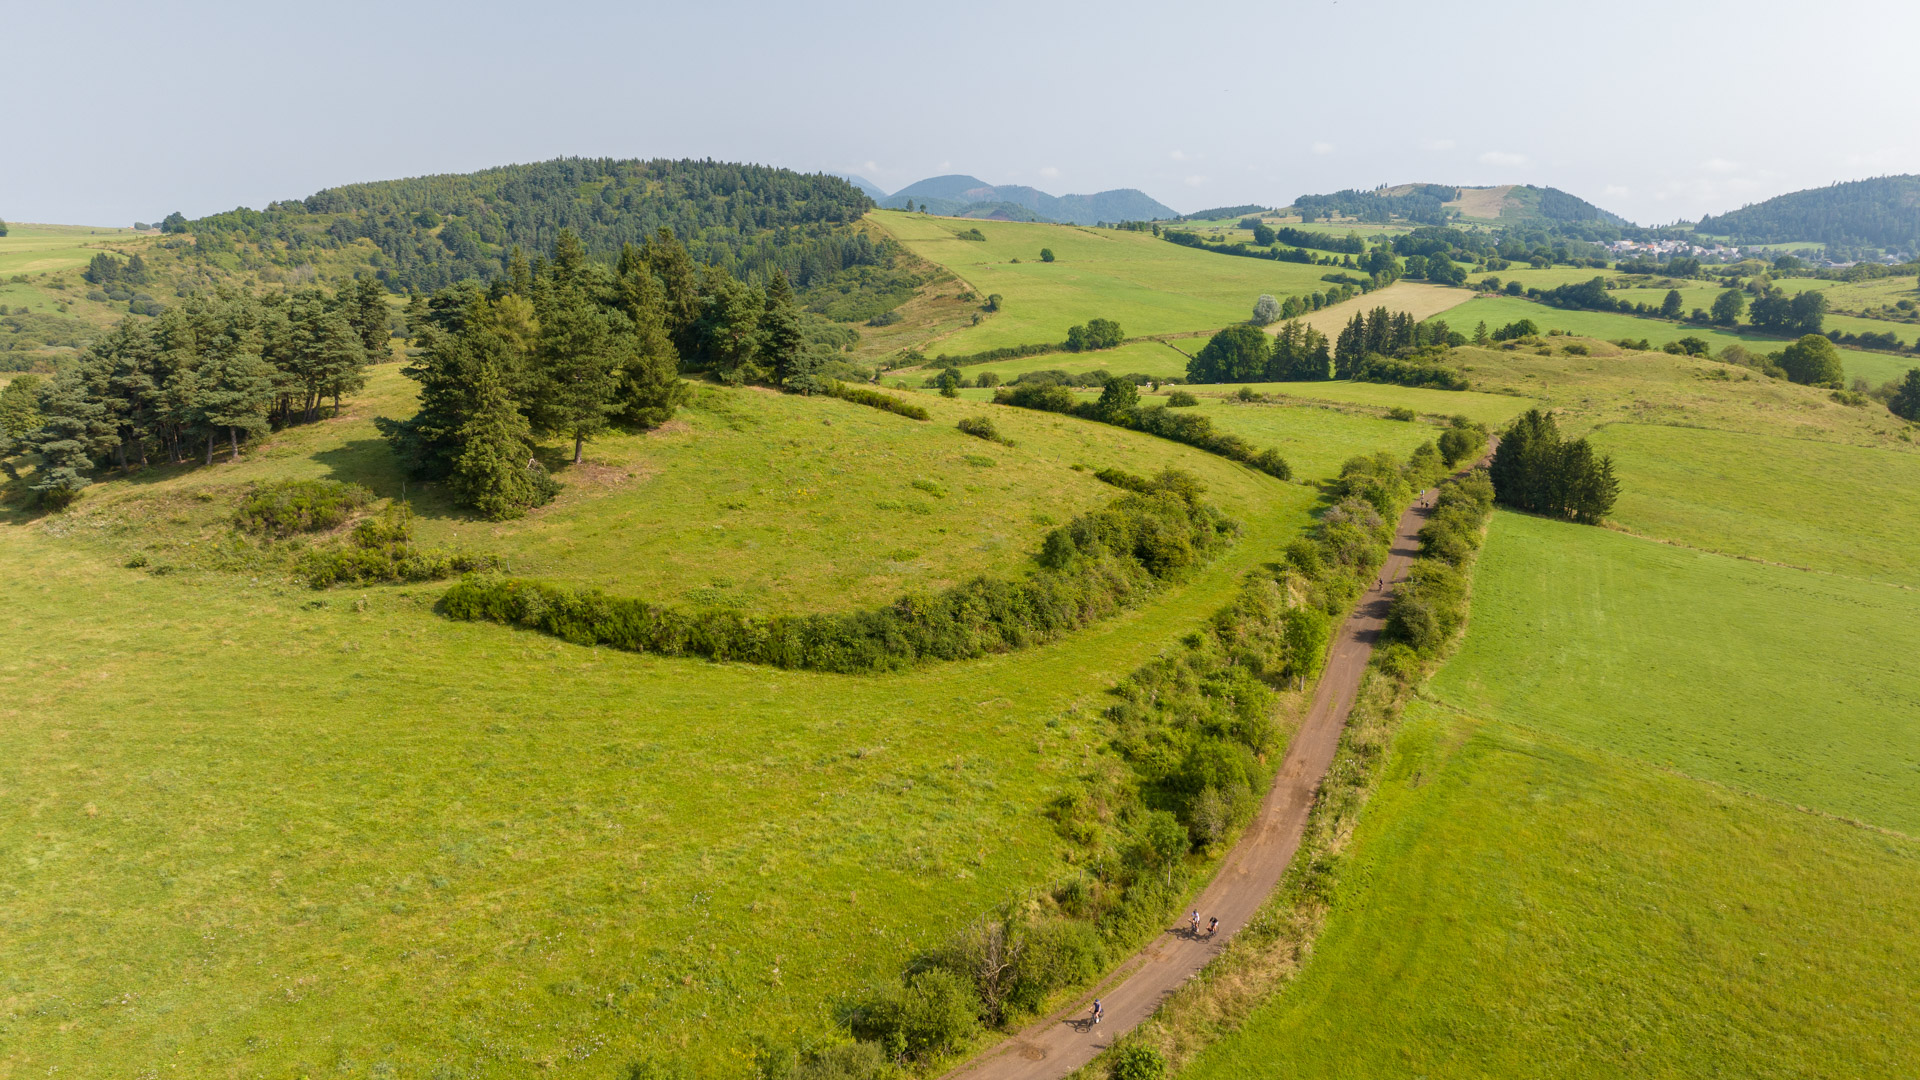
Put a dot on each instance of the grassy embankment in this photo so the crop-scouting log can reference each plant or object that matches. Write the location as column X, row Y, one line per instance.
column 290, row 831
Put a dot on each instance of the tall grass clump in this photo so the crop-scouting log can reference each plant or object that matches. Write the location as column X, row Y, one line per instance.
column 287, row 507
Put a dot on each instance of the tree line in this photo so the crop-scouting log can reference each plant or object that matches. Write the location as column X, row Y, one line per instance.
column 224, row 367
column 1538, row 470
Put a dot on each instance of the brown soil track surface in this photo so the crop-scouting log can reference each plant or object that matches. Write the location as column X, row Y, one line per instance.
column 1056, row 1046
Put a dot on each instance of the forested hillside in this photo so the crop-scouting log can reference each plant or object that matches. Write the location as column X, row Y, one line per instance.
column 1883, row 212
column 433, row 231
column 1434, row 204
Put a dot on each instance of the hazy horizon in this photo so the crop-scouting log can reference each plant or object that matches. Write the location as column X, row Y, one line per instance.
column 1652, row 114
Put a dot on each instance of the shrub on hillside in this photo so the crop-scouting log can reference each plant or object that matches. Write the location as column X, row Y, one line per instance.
column 860, row 395
column 286, row 507
column 1181, row 399
column 381, row 549
column 981, row 427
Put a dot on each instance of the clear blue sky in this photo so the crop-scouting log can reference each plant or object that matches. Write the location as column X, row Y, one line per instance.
column 1657, row 110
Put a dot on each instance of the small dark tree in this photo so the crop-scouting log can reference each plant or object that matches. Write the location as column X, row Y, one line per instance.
column 1904, row 404
column 948, row 382
column 1728, row 306
column 1673, row 305
column 495, row 472
column 1236, row 354
column 1119, row 401
column 1813, row 361
column 1046, row 254
column 1263, row 235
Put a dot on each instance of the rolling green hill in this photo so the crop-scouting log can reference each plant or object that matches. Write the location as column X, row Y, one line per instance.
column 1883, row 212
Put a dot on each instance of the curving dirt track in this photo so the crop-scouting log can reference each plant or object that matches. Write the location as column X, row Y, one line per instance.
column 1056, row 1046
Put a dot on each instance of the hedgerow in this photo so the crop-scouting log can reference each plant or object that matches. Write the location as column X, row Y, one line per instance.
column 1089, row 568
column 860, row 395
column 1193, row 429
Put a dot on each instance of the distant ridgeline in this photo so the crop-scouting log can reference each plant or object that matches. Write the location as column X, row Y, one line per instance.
column 1883, row 212
column 967, row 196
column 1434, row 204
column 433, row 231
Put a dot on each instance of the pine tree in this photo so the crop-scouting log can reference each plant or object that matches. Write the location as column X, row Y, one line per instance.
column 680, row 290
column 1904, row 404
column 729, row 329
column 782, row 345
column 235, row 390
column 495, row 472
column 577, row 367
column 74, row 430
column 367, row 310
column 19, row 412
column 650, row 387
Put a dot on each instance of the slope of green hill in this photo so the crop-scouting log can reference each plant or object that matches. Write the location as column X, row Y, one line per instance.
column 1435, row 204
column 1883, row 212
column 958, row 195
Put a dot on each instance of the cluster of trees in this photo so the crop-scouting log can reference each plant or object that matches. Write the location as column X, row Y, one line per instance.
column 1905, row 402
column 1873, row 213
column 105, row 270
column 1245, row 250
column 213, row 368
column 434, row 231
column 1385, row 333
column 1538, row 470
column 1803, row 312
column 567, row 346
column 1267, row 310
column 1307, row 238
column 1246, row 354
column 1094, row 334
column 1423, row 205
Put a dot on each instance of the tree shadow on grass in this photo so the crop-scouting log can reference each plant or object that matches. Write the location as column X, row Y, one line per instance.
column 371, row 464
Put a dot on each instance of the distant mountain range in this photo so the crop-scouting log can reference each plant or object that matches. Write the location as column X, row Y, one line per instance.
column 967, row 196
column 1883, row 212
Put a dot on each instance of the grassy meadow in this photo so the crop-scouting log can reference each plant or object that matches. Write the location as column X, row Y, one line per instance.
column 1609, row 326
column 1825, row 506
column 40, row 249
column 1514, row 904
column 1148, row 285
column 751, row 499
column 1792, row 685
column 288, row 832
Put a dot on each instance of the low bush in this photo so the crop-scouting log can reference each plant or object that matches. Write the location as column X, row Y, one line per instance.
column 381, row 550
column 1400, row 412
column 1137, row 1061
column 981, row 427
column 1181, row 399
column 1089, row 568
column 287, row 507
column 1375, row 368
column 860, row 395
column 1120, row 478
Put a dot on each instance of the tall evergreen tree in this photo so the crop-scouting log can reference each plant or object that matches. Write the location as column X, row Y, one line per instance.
column 729, row 329
column 680, row 290
column 581, row 353
column 235, row 390
column 1904, row 404
column 783, row 346
column 367, row 311
column 74, row 431
column 495, row 472
column 650, row 387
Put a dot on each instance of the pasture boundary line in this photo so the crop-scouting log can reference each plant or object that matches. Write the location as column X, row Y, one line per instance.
column 1054, row 1047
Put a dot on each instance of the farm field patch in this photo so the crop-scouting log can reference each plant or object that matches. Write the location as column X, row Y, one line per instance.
column 1845, row 509
column 1150, row 286
column 1498, row 311
column 1510, row 900
column 1793, row 685
column 38, row 249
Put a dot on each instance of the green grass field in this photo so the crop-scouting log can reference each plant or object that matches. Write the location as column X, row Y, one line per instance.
column 39, row 249
column 1148, row 285
column 1843, row 509
column 288, row 832
column 1793, row 685
column 1498, row 311
column 1514, row 905
column 752, row 499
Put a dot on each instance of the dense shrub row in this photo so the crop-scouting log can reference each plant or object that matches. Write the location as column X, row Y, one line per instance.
column 1089, row 568
column 1192, row 737
column 286, row 507
column 1411, row 371
column 1119, row 405
column 1430, row 606
column 1010, row 352
column 381, row 550
column 860, row 395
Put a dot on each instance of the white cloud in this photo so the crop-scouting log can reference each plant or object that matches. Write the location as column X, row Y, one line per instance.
column 1177, row 155
column 872, row 167
column 1436, row 144
column 1615, row 191
column 1502, row 157
column 1049, row 172
column 1196, row 181
column 944, row 166
column 1323, row 148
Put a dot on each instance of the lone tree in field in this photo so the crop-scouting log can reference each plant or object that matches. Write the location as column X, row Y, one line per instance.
column 1671, row 307
column 1266, row 310
column 1813, row 361
column 1046, row 254
column 1236, row 354
column 1728, row 306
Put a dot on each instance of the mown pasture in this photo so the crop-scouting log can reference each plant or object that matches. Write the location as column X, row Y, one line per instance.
column 1610, row 326
column 1820, row 505
column 1797, row 686
column 39, row 249
column 1150, row 286
column 1514, row 904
